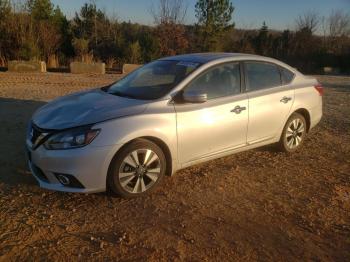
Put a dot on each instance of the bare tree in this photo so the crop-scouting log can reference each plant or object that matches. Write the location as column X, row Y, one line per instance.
column 169, row 11
column 308, row 21
column 172, row 39
column 50, row 39
column 338, row 23
column 169, row 16
column 336, row 31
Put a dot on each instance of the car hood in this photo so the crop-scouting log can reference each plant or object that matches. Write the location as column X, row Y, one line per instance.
column 83, row 108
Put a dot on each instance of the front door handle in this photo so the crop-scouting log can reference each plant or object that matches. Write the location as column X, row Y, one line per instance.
column 285, row 99
column 238, row 109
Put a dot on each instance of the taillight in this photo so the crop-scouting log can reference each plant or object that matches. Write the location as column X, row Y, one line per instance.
column 319, row 89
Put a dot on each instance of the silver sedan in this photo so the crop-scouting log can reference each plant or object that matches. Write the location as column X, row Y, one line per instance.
column 167, row 115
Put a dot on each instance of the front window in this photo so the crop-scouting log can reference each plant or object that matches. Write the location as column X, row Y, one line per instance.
column 219, row 81
column 153, row 80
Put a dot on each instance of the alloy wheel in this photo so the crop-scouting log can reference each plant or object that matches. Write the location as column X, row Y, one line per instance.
column 139, row 171
column 295, row 132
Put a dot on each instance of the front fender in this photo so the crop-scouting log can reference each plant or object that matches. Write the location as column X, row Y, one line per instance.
column 122, row 130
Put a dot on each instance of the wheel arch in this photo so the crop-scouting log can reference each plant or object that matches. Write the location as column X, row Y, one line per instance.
column 306, row 114
column 166, row 150
column 163, row 146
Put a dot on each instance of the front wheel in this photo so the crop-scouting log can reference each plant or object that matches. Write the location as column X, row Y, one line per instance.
column 293, row 134
column 136, row 169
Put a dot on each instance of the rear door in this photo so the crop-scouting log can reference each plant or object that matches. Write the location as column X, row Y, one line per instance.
column 270, row 100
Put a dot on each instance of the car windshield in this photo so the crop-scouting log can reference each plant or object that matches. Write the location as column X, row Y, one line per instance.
column 153, row 80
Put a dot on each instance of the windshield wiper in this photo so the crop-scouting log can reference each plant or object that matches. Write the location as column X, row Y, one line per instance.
column 117, row 93
column 105, row 88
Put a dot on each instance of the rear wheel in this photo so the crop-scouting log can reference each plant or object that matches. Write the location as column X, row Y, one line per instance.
column 136, row 169
column 293, row 134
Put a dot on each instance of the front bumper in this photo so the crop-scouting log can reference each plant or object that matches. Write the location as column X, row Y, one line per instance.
column 89, row 165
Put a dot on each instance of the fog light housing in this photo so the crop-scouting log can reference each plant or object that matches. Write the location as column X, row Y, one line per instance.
column 63, row 179
column 68, row 180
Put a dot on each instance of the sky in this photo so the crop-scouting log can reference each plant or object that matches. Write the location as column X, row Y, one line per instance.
column 249, row 14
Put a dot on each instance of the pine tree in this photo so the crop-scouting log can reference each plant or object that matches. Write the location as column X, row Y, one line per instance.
column 40, row 9
column 5, row 8
column 263, row 40
column 214, row 17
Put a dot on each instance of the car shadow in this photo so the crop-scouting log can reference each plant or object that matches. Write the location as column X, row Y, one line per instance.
column 14, row 117
column 273, row 148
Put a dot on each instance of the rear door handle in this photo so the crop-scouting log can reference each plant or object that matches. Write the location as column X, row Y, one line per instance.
column 285, row 99
column 238, row 109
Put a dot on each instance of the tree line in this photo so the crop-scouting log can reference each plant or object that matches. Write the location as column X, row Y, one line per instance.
column 38, row 30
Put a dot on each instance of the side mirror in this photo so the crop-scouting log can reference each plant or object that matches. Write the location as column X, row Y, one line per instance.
column 195, row 97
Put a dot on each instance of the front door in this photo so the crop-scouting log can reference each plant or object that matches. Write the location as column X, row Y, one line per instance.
column 220, row 123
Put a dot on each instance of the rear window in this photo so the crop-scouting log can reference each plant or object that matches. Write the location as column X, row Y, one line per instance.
column 261, row 75
column 287, row 76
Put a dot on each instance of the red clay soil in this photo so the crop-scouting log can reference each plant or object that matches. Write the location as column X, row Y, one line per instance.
column 255, row 205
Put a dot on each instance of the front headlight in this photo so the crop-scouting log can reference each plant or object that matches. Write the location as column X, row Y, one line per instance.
column 73, row 138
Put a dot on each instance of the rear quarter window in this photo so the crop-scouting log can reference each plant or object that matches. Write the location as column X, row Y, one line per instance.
column 286, row 75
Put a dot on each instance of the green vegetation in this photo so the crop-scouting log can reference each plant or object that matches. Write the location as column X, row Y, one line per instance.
column 214, row 18
column 36, row 29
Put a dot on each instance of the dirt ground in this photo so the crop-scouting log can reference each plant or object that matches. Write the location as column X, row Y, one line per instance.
column 257, row 205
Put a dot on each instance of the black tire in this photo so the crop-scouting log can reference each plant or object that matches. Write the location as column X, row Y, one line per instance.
column 114, row 178
column 294, row 141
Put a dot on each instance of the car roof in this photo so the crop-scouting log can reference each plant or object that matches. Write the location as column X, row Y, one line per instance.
column 205, row 57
